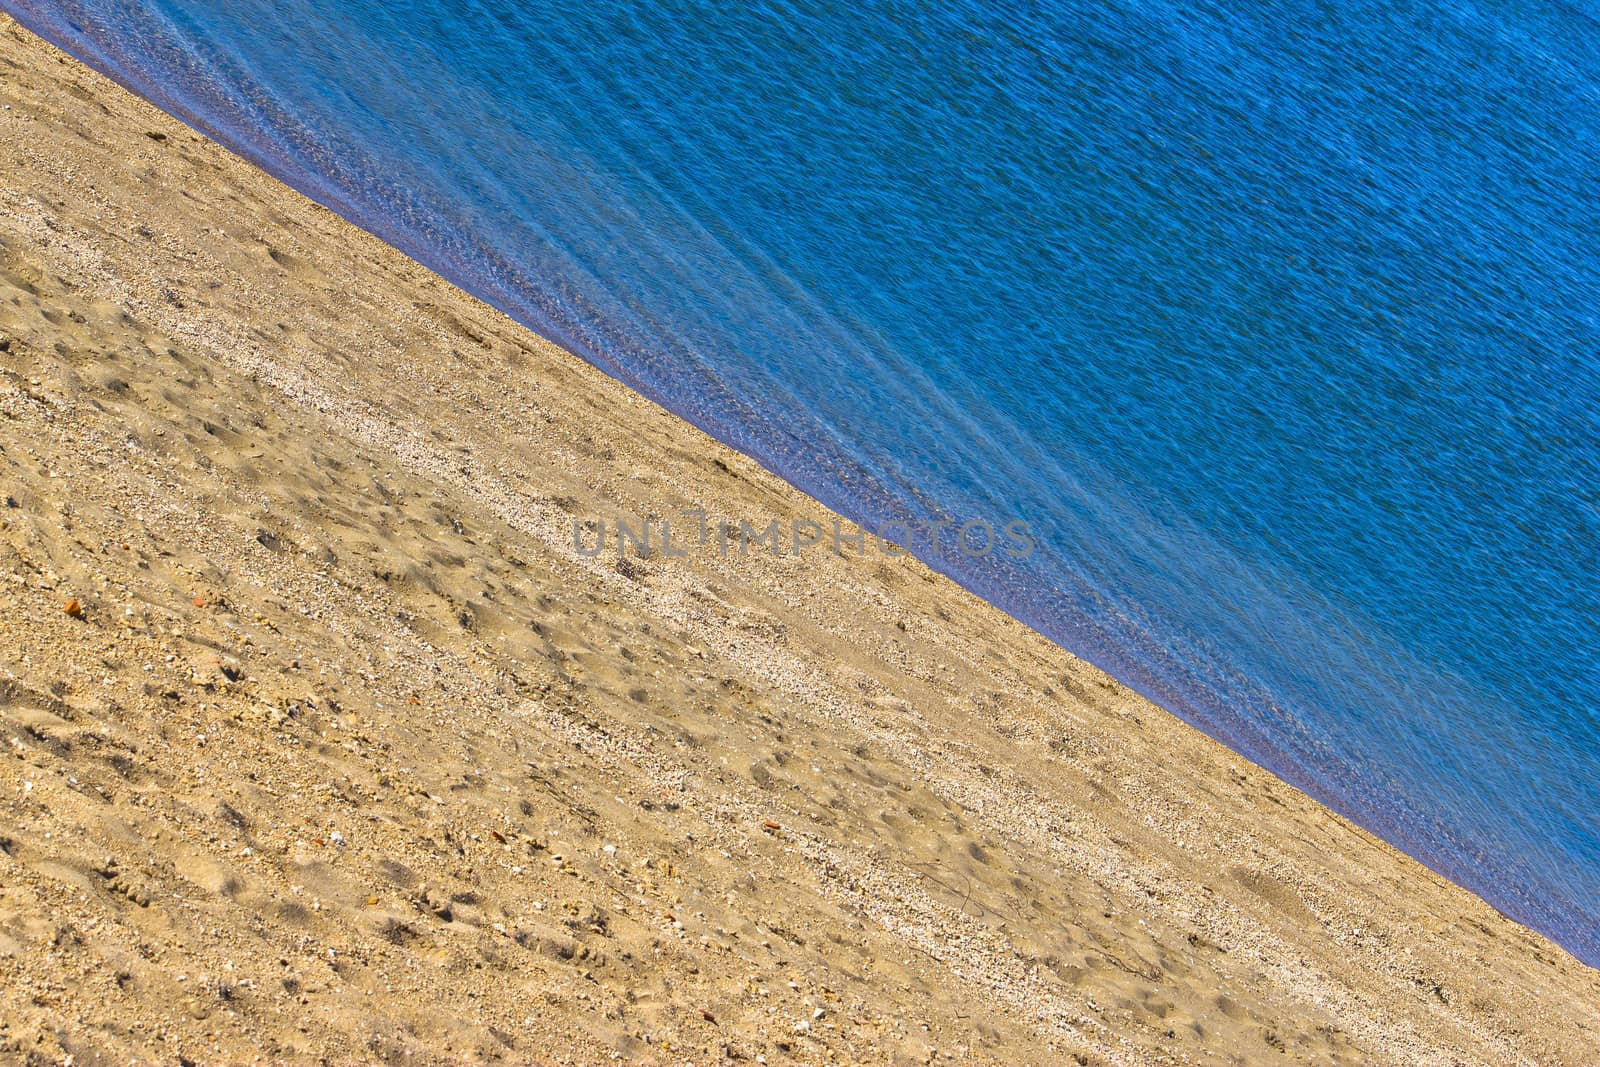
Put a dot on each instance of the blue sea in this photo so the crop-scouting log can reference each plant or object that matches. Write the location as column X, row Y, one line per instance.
column 1278, row 323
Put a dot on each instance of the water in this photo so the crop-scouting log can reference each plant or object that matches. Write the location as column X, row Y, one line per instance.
column 1278, row 323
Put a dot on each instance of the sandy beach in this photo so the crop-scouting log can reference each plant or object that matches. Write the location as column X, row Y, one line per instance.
column 322, row 740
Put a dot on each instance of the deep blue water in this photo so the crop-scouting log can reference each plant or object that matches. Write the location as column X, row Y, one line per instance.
column 1278, row 322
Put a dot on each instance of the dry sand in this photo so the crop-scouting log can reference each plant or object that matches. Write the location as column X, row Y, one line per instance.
column 352, row 757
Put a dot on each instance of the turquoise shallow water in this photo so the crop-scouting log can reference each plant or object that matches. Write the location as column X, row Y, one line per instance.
column 1278, row 325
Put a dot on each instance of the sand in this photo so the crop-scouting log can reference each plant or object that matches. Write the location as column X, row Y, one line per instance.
column 346, row 753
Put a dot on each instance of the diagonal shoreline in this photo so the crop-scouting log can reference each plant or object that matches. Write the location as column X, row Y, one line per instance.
column 345, row 486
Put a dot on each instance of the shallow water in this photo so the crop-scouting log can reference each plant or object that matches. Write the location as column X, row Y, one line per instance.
column 1278, row 325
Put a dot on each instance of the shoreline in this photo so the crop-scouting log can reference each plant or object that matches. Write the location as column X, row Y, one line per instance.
column 343, row 694
column 1243, row 700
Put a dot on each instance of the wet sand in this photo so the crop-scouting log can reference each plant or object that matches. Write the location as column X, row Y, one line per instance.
column 346, row 752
